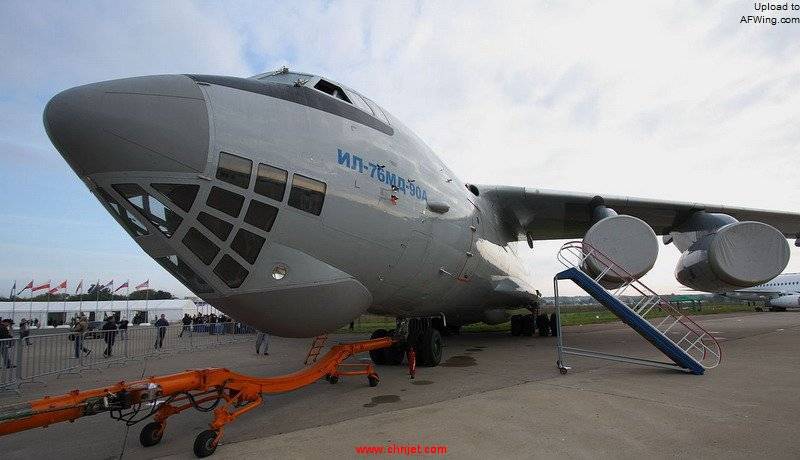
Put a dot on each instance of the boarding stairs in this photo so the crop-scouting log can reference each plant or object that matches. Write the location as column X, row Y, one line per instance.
column 690, row 347
column 316, row 346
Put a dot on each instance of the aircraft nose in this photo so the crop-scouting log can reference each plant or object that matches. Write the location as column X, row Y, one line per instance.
column 155, row 123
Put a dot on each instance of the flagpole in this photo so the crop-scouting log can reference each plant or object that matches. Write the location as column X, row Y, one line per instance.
column 127, row 298
column 97, row 302
column 30, row 309
column 146, row 299
column 64, row 307
column 47, row 311
column 80, row 301
column 13, row 302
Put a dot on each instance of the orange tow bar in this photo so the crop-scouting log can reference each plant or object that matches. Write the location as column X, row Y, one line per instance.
column 227, row 393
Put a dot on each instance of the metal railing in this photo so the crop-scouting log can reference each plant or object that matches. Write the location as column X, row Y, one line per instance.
column 29, row 359
column 667, row 320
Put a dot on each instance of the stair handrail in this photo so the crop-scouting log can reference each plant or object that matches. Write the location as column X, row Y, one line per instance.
column 631, row 280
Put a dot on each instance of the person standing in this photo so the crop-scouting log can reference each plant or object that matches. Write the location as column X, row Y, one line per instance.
column 123, row 329
column 262, row 340
column 77, row 334
column 109, row 334
column 25, row 331
column 6, row 343
column 186, row 321
column 161, row 324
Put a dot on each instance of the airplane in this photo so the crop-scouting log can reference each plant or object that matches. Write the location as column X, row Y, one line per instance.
column 295, row 204
column 777, row 294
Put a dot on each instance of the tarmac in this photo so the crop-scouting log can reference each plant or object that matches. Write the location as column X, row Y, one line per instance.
column 493, row 396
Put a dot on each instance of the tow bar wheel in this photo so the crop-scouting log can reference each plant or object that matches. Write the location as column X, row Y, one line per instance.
column 151, row 434
column 206, row 443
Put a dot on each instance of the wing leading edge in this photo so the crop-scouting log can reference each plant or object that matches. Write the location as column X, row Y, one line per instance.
column 552, row 214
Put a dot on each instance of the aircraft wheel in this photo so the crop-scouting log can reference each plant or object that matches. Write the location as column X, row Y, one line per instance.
column 151, row 434
column 516, row 325
column 204, row 443
column 430, row 353
column 527, row 325
column 334, row 379
column 543, row 324
column 373, row 380
column 379, row 356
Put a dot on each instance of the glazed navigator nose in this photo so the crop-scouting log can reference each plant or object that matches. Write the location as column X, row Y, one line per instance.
column 155, row 123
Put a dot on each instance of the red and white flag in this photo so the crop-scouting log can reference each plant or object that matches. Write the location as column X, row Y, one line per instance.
column 61, row 286
column 123, row 285
column 39, row 288
column 79, row 287
column 107, row 285
column 144, row 285
column 27, row 286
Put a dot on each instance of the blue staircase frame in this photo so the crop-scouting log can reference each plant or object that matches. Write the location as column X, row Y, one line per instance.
column 680, row 357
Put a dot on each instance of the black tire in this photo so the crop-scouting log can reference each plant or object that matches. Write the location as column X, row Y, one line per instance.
column 527, row 325
column 333, row 379
column 379, row 356
column 777, row 308
column 430, row 348
column 394, row 355
column 204, row 443
column 151, row 434
column 373, row 380
column 543, row 324
column 516, row 325
column 553, row 325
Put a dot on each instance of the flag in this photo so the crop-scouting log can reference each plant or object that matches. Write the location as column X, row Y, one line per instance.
column 39, row 288
column 63, row 285
column 53, row 291
column 107, row 285
column 123, row 285
column 79, row 287
column 145, row 285
column 27, row 286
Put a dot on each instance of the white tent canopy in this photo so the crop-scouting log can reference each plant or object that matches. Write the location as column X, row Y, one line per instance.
column 61, row 312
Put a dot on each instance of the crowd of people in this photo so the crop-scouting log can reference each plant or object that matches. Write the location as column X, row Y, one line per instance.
column 112, row 329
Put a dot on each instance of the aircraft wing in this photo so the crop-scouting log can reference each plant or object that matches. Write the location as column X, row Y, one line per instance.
column 552, row 214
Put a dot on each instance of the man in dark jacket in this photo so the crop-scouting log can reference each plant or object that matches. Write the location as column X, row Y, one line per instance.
column 161, row 326
column 109, row 334
column 187, row 321
column 6, row 343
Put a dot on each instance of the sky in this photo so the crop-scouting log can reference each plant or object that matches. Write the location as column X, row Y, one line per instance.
column 669, row 100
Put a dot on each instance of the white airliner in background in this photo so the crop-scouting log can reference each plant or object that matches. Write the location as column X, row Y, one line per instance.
column 780, row 293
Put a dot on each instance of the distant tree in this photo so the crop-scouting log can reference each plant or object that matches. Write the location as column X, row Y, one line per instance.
column 151, row 294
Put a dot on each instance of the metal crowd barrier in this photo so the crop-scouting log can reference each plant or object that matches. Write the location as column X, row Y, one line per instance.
column 27, row 360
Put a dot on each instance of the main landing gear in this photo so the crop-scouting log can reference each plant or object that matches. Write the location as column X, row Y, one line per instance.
column 419, row 334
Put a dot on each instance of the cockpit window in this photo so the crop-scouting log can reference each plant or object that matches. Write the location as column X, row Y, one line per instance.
column 234, row 170
column 307, row 194
column 377, row 111
column 151, row 208
column 359, row 102
column 331, row 89
column 181, row 270
column 133, row 225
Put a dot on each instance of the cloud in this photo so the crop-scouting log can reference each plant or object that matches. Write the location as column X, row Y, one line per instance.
column 674, row 100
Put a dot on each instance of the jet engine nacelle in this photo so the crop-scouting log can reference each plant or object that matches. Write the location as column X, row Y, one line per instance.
column 732, row 256
column 626, row 240
column 785, row 301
